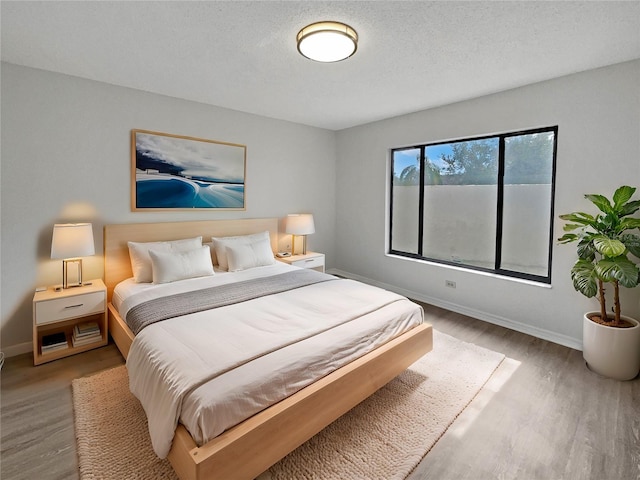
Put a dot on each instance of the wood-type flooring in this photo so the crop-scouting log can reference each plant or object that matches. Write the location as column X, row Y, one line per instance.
column 544, row 415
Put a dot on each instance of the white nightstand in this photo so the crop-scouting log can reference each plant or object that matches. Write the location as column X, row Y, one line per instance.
column 56, row 312
column 311, row 260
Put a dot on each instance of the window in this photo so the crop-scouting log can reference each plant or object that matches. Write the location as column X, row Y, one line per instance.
column 482, row 203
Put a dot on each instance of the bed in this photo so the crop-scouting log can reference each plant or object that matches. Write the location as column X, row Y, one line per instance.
column 251, row 446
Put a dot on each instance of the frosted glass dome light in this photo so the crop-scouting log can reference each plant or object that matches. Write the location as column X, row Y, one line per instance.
column 327, row 41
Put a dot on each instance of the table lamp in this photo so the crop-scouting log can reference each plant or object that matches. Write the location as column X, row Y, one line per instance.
column 71, row 241
column 299, row 224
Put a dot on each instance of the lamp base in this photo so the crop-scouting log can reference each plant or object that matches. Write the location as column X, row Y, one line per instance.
column 293, row 244
column 65, row 273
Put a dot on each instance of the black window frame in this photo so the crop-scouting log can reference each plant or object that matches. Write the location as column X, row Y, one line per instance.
column 499, row 205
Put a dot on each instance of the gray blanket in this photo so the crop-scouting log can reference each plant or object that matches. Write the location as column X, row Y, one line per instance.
column 146, row 313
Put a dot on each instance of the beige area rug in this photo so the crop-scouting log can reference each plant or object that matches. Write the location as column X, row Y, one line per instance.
column 384, row 437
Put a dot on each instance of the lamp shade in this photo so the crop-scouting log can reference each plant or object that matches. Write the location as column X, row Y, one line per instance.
column 71, row 240
column 300, row 224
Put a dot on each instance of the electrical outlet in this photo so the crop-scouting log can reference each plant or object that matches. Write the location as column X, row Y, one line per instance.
column 450, row 283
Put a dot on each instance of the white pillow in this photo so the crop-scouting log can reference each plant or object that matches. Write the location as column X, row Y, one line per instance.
column 261, row 240
column 242, row 257
column 213, row 252
column 172, row 266
column 141, row 262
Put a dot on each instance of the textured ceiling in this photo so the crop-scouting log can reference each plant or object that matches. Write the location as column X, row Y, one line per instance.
column 242, row 55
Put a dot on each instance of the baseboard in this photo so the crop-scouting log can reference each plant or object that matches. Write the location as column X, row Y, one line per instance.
column 477, row 314
column 19, row 349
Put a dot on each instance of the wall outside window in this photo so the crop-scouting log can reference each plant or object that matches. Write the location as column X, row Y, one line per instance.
column 461, row 201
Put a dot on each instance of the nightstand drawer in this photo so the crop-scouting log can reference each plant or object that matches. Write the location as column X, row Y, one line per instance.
column 62, row 308
column 310, row 262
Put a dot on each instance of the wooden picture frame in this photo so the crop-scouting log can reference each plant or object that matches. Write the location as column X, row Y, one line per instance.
column 176, row 172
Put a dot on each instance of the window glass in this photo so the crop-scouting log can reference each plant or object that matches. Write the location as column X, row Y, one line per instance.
column 405, row 199
column 526, row 216
column 460, row 212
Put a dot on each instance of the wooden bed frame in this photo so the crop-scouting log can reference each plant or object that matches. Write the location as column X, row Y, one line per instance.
column 251, row 447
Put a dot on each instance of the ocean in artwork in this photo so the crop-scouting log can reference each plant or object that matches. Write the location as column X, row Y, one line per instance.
column 169, row 191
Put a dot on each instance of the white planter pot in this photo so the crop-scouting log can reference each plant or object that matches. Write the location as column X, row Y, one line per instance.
column 609, row 351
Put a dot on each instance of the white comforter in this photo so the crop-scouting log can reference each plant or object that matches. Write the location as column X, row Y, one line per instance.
column 213, row 369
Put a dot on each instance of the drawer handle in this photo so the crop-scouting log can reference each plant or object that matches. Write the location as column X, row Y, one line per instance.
column 310, row 260
column 74, row 306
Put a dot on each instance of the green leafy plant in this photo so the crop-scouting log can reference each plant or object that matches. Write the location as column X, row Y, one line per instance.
column 603, row 248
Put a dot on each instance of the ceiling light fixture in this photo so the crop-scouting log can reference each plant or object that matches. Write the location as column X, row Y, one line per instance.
column 327, row 41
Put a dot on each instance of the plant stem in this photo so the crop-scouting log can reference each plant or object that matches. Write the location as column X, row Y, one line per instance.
column 603, row 306
column 616, row 303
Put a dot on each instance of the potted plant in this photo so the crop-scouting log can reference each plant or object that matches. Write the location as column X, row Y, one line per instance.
column 611, row 342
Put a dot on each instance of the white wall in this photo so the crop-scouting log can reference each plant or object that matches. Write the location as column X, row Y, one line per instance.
column 66, row 158
column 598, row 114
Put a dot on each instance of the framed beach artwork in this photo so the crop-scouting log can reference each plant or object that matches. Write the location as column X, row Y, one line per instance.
column 185, row 173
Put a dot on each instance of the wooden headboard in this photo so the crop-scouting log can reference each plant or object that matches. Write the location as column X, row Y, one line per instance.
column 117, row 266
